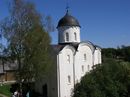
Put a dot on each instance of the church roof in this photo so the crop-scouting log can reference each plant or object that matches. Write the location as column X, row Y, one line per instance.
column 59, row 47
column 68, row 20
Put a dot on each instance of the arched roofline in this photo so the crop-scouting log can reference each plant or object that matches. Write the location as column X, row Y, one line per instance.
column 68, row 47
column 89, row 44
column 99, row 48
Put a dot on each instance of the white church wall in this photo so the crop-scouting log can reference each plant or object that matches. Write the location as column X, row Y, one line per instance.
column 73, row 34
column 100, row 57
column 83, row 61
column 97, row 56
column 65, row 76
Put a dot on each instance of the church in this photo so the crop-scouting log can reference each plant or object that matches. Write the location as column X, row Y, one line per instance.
column 74, row 58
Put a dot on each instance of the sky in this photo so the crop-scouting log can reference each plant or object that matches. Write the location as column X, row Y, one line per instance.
column 103, row 22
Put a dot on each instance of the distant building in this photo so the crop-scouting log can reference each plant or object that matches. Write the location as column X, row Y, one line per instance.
column 73, row 59
column 7, row 70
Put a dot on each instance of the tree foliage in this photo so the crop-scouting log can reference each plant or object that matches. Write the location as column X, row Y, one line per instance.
column 121, row 53
column 110, row 79
column 29, row 42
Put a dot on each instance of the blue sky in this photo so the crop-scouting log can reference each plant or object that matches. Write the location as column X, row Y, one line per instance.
column 104, row 22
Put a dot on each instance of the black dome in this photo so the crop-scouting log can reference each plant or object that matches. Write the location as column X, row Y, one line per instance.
column 68, row 20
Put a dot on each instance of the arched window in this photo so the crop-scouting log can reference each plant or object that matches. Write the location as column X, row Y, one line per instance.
column 75, row 36
column 82, row 68
column 85, row 57
column 68, row 58
column 67, row 36
column 69, row 79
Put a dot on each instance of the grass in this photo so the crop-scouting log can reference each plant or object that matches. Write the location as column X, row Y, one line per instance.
column 5, row 90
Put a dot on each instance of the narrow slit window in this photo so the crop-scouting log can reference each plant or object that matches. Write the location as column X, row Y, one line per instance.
column 69, row 79
column 85, row 57
column 82, row 68
column 75, row 36
column 67, row 36
column 68, row 58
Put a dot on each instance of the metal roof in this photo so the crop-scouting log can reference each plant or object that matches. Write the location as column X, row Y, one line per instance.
column 68, row 20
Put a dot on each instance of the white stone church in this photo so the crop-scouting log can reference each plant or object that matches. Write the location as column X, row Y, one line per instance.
column 74, row 59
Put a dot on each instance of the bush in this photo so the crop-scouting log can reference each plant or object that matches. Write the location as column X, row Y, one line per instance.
column 5, row 90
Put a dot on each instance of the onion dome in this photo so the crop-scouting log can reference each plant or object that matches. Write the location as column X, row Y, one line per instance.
column 68, row 20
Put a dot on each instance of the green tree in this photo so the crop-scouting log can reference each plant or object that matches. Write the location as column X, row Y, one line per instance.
column 109, row 52
column 121, row 53
column 125, row 52
column 29, row 42
column 1, row 45
column 110, row 79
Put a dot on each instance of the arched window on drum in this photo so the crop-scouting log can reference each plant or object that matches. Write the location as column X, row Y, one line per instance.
column 67, row 36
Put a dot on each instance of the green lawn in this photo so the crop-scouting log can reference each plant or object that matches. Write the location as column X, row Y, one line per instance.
column 5, row 89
